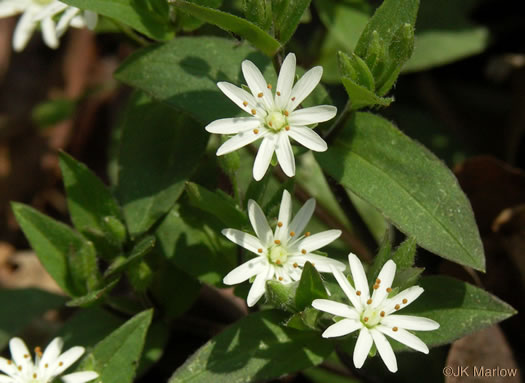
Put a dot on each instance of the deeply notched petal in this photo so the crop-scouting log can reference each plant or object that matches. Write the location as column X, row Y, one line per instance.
column 248, row 241
column 359, row 276
column 239, row 140
column 245, row 271
column 79, row 377
column 284, row 152
column 312, row 115
column 341, row 328
column 319, row 240
column 264, row 157
column 362, row 347
column 233, row 125
column 258, row 287
column 259, row 223
column 304, row 87
column 385, row 350
column 335, row 308
column 285, row 81
column 308, row 138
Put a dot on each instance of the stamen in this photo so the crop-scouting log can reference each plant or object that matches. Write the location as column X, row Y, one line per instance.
column 295, row 265
column 38, row 351
column 26, row 356
column 365, row 319
column 394, row 329
column 254, row 112
column 369, row 301
column 405, row 301
column 313, row 264
column 34, row 375
column 378, row 281
column 256, row 131
column 9, row 362
column 270, row 123
column 19, row 368
column 376, row 287
column 277, row 242
column 280, row 278
column 278, row 262
column 260, row 95
column 293, row 98
column 382, row 313
column 269, row 86
column 303, row 251
column 46, row 365
column 292, row 233
column 286, row 113
column 245, row 103
column 60, row 364
column 389, row 290
column 397, row 307
column 287, row 127
column 307, row 234
column 278, row 93
column 280, row 224
column 259, row 250
column 358, row 293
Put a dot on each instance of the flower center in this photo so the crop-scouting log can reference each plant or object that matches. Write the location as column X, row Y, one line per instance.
column 278, row 255
column 372, row 317
column 276, row 121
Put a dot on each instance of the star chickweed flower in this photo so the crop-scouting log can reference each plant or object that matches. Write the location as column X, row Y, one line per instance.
column 280, row 255
column 374, row 316
column 274, row 118
column 47, row 366
column 44, row 12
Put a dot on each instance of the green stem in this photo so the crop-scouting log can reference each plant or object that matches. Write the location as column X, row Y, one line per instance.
column 131, row 34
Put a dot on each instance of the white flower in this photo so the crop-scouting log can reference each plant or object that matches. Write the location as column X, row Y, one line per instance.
column 373, row 316
column 280, row 255
column 44, row 12
column 48, row 365
column 274, row 118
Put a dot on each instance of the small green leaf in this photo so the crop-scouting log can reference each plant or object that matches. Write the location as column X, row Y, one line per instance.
column 258, row 12
column 139, row 251
column 90, row 204
column 189, row 23
column 304, row 320
column 360, row 97
column 53, row 111
column 23, row 306
column 148, row 17
column 281, row 296
column 310, row 287
column 255, row 349
column 354, row 67
column 458, row 307
column 436, row 212
column 116, row 357
column 217, row 204
column 251, row 32
column 406, row 277
column 287, row 17
column 93, row 296
column 140, row 275
column 155, row 162
column 67, row 257
column 405, row 253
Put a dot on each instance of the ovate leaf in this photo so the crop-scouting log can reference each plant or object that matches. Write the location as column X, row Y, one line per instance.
column 288, row 16
column 361, row 97
column 310, row 287
column 408, row 184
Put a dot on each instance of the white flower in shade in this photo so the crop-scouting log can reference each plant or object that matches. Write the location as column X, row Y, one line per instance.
column 274, row 118
column 47, row 366
column 282, row 254
column 44, row 12
column 374, row 316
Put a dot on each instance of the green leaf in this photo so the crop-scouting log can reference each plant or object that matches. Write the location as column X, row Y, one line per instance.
column 288, row 17
column 458, row 307
column 140, row 275
column 360, row 97
column 281, row 296
column 90, row 204
column 357, row 70
column 139, row 251
column 184, row 74
column 94, row 296
column 256, row 348
column 406, row 277
column 116, row 357
column 156, row 158
column 67, row 257
column 310, row 287
column 231, row 23
column 405, row 253
column 258, row 12
column 190, row 23
column 220, row 205
column 383, row 255
column 148, row 17
column 51, row 112
column 23, row 306
column 408, row 184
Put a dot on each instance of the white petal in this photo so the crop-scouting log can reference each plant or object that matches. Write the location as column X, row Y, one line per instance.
column 23, row 31
column 285, row 156
column 12, row 7
column 19, row 352
column 359, row 276
column 50, row 10
column 65, row 20
column 264, row 157
column 347, row 288
column 259, row 223
column 285, row 81
column 302, row 217
column 257, row 84
column 8, row 368
column 78, row 22
column 362, row 347
column 79, row 377
column 319, row 240
column 245, row 271
column 248, row 241
column 410, row 294
column 240, row 140
column 49, row 32
column 305, row 86
column 385, row 350
column 258, row 286
column 308, row 138
column 285, row 214
column 322, row 264
column 313, row 115
column 239, row 97
column 67, row 359
column 403, row 336
column 6, row 379
column 386, row 277
column 409, row 322
column 91, row 19
column 233, row 125
column 343, row 327
column 52, row 352
column 336, row 308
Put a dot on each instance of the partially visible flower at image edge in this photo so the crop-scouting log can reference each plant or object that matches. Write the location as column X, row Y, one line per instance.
column 43, row 12
column 274, row 118
column 282, row 254
column 373, row 315
column 47, row 366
